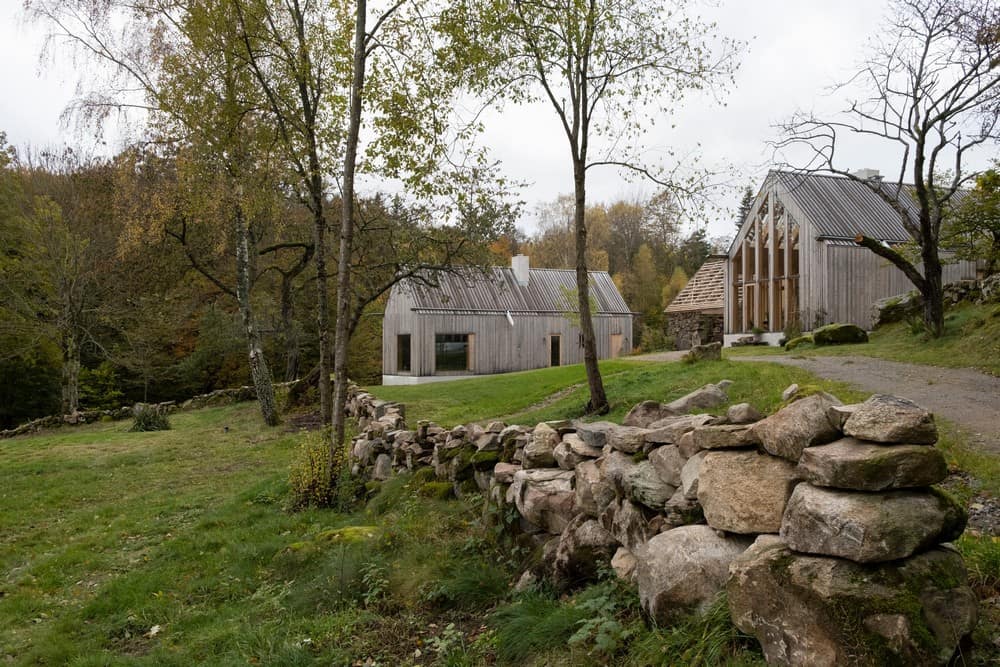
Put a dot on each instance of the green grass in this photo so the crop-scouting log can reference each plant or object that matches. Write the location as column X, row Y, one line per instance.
column 971, row 340
column 526, row 397
column 106, row 535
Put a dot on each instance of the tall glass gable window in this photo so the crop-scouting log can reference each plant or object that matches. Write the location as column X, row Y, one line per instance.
column 451, row 352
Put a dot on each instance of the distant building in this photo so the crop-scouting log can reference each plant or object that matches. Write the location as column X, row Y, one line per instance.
column 695, row 315
column 506, row 319
column 795, row 257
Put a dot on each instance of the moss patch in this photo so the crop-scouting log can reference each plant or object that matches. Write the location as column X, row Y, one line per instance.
column 437, row 490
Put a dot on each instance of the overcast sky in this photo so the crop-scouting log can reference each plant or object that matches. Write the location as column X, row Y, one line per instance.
column 797, row 50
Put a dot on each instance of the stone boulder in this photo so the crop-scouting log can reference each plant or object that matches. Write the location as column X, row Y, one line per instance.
column 504, row 473
column 839, row 414
column 623, row 563
column 538, row 453
column 706, row 352
column 679, row 511
column 579, row 448
column 643, row 484
column 884, row 418
column 723, row 436
column 669, row 431
column 593, row 492
column 708, row 397
column 628, row 522
column 686, row 445
column 565, row 457
column 839, row 334
column 583, row 547
column 743, row 413
column 545, row 497
column 645, row 413
column 683, row 570
column 744, row 491
column 815, row 611
column 689, row 475
column 628, row 439
column 866, row 527
column 796, row 426
column 383, row 468
column 595, row 434
column 896, row 308
column 667, row 461
column 852, row 464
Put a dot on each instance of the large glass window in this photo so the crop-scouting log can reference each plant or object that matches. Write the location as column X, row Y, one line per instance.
column 451, row 352
column 403, row 353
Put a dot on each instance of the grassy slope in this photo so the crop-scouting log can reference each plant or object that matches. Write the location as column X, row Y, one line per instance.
column 971, row 340
column 516, row 397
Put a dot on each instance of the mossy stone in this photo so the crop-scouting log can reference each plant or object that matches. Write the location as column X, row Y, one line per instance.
column 797, row 342
column 436, row 490
column 839, row 334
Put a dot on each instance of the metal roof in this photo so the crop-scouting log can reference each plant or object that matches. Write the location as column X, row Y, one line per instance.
column 840, row 207
column 705, row 290
column 496, row 290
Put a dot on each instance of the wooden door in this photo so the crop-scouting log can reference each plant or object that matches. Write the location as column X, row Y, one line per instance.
column 616, row 345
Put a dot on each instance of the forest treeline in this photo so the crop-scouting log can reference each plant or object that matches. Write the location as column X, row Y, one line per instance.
column 118, row 275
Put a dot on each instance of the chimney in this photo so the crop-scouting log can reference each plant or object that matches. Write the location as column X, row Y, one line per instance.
column 519, row 263
column 867, row 174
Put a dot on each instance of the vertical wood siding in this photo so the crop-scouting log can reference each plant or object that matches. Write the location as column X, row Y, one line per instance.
column 849, row 299
column 499, row 347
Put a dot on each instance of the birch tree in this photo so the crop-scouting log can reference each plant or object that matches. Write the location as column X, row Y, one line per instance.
column 179, row 64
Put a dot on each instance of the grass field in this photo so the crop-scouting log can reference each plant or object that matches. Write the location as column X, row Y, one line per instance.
column 971, row 340
column 177, row 547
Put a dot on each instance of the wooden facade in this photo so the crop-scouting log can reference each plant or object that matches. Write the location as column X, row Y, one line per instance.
column 499, row 339
column 794, row 258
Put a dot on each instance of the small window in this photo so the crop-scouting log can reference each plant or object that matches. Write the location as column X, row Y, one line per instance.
column 451, row 352
column 403, row 353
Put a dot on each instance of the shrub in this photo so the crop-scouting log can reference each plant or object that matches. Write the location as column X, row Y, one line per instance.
column 147, row 417
column 312, row 482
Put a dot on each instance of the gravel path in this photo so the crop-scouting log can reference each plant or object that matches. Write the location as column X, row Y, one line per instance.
column 965, row 397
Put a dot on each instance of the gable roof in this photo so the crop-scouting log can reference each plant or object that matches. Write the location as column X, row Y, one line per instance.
column 497, row 291
column 841, row 207
column 705, row 290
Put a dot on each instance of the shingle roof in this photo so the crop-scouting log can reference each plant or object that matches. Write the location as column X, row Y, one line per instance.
column 840, row 207
column 705, row 290
column 547, row 291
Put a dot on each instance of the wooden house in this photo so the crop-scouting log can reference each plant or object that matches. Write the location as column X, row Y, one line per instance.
column 795, row 258
column 506, row 319
column 695, row 315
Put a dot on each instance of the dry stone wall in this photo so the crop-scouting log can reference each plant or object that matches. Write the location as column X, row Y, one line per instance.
column 820, row 521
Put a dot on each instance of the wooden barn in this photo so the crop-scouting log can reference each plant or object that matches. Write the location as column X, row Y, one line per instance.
column 508, row 319
column 695, row 315
column 794, row 257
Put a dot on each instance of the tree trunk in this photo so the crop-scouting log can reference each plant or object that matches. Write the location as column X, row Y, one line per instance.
column 598, row 399
column 343, row 328
column 322, row 318
column 259, row 371
column 933, row 293
column 70, row 375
